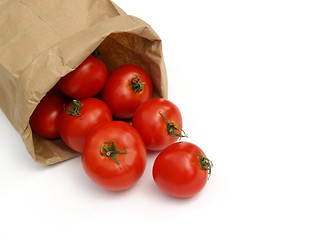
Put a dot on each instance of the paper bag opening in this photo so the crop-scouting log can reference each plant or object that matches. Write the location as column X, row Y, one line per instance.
column 121, row 39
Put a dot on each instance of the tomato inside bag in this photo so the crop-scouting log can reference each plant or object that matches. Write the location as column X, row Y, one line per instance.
column 34, row 58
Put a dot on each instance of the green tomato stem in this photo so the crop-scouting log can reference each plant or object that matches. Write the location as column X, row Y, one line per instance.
column 136, row 86
column 205, row 163
column 110, row 150
column 74, row 110
column 173, row 129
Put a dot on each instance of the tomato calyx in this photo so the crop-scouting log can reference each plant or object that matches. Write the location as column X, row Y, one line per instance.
column 74, row 110
column 205, row 163
column 110, row 150
column 136, row 86
column 173, row 129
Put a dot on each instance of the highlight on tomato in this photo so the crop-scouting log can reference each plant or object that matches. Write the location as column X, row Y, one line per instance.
column 181, row 170
column 127, row 87
column 86, row 81
column 159, row 122
column 45, row 120
column 114, row 156
column 79, row 118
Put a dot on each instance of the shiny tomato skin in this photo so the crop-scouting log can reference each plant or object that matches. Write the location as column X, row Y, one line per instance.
column 119, row 94
column 151, row 125
column 104, row 171
column 176, row 170
column 74, row 129
column 45, row 120
column 87, row 80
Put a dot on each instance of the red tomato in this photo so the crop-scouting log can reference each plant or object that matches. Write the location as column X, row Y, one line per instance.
column 79, row 118
column 127, row 87
column 114, row 156
column 181, row 170
column 46, row 116
column 86, row 80
column 159, row 122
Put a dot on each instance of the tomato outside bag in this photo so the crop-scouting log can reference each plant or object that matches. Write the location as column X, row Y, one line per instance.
column 41, row 41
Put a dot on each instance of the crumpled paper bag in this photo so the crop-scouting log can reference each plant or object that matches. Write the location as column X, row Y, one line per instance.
column 41, row 41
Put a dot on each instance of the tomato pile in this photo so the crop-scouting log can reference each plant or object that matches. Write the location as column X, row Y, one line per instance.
column 112, row 119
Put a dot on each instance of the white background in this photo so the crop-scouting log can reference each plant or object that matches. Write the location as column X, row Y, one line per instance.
column 249, row 78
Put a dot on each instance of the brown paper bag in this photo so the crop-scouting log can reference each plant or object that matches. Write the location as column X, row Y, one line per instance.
column 41, row 41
